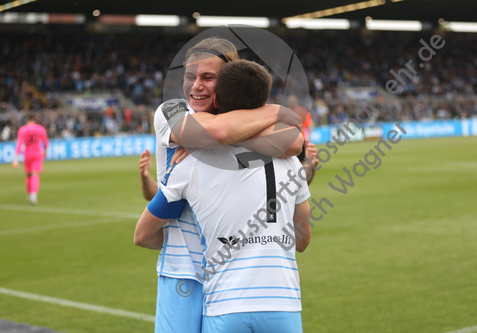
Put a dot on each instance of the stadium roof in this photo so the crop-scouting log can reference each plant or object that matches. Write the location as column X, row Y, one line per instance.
column 429, row 10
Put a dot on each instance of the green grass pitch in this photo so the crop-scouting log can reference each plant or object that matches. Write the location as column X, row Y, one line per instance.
column 398, row 253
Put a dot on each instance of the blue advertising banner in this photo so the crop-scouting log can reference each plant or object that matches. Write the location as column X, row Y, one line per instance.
column 320, row 135
column 435, row 129
column 91, row 147
column 415, row 130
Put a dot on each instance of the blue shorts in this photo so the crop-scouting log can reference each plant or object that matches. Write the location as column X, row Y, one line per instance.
column 254, row 322
column 178, row 306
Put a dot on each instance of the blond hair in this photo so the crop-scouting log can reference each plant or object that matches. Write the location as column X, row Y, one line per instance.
column 217, row 45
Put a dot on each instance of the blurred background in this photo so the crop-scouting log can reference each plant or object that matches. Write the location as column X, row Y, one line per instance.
column 95, row 69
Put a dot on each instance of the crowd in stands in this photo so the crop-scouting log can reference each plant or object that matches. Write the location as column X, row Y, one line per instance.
column 64, row 125
column 354, row 59
column 35, row 68
column 411, row 108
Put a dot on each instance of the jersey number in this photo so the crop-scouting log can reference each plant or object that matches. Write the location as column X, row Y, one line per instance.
column 31, row 139
column 244, row 163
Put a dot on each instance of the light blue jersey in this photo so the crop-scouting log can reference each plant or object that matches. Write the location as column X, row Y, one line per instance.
column 181, row 255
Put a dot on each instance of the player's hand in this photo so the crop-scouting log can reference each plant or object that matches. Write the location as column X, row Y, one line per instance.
column 180, row 155
column 14, row 164
column 310, row 152
column 285, row 115
column 145, row 163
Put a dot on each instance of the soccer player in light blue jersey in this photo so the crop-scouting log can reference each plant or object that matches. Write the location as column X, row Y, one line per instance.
column 179, row 239
column 249, row 268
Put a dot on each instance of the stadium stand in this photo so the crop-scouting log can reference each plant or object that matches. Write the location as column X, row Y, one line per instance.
column 123, row 77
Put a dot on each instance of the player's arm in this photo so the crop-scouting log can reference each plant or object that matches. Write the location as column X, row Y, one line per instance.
column 168, row 203
column 310, row 153
column 278, row 140
column 204, row 130
column 286, row 142
column 302, row 212
column 148, row 231
column 18, row 148
column 148, row 184
column 46, row 142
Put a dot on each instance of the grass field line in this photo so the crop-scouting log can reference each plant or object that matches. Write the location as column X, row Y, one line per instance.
column 61, row 226
column 69, row 211
column 77, row 305
column 470, row 329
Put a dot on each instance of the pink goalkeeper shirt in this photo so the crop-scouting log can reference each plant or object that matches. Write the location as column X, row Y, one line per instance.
column 31, row 136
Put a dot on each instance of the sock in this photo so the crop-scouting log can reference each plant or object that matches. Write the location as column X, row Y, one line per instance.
column 34, row 184
column 28, row 184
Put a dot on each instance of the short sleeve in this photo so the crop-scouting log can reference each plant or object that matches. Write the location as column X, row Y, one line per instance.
column 171, row 196
column 167, row 115
column 303, row 192
column 175, row 183
column 161, row 208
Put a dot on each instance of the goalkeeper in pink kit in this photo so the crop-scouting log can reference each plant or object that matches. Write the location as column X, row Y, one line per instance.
column 33, row 139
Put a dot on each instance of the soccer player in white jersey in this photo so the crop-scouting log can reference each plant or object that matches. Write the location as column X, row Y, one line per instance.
column 182, row 252
column 242, row 219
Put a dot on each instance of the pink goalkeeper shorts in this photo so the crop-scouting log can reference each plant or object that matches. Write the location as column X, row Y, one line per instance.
column 33, row 163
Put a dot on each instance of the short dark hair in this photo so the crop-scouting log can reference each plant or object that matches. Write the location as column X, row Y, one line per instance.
column 31, row 117
column 242, row 84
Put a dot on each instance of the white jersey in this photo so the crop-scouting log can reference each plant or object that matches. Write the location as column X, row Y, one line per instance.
column 181, row 254
column 261, row 275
